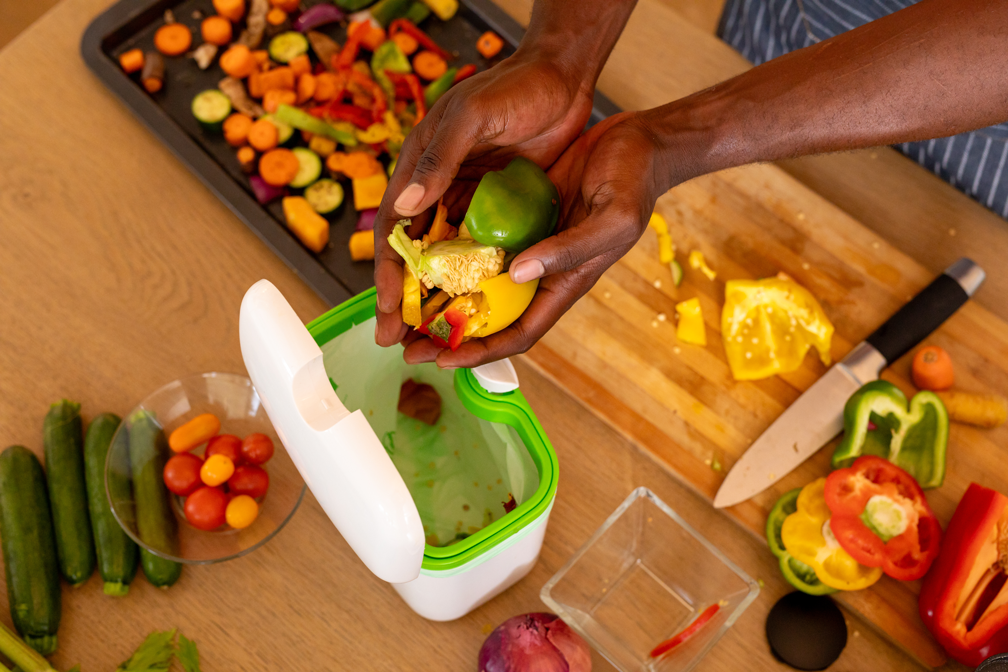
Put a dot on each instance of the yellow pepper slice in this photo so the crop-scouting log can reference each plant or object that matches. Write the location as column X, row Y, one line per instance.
column 769, row 325
column 808, row 538
column 410, row 298
column 503, row 302
column 697, row 262
column 691, row 325
column 373, row 134
column 666, row 249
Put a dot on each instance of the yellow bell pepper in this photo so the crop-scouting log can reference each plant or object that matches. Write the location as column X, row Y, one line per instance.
column 311, row 228
column 691, row 327
column 502, row 303
column 666, row 249
column 373, row 134
column 410, row 297
column 697, row 262
column 808, row 538
column 444, row 9
column 368, row 191
column 769, row 325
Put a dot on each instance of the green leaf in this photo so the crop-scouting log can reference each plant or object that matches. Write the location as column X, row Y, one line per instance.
column 154, row 655
column 188, row 654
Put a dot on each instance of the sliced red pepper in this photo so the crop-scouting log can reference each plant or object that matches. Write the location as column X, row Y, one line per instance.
column 465, row 72
column 348, row 54
column 402, row 90
column 873, row 483
column 457, row 319
column 687, row 632
column 964, row 598
column 416, row 90
column 438, row 341
column 378, row 102
column 408, row 27
column 340, row 111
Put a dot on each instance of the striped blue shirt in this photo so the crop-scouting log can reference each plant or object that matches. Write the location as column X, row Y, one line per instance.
column 764, row 29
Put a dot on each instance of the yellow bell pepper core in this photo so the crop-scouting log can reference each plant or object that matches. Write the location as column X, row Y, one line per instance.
column 807, row 537
column 666, row 249
column 368, row 191
column 311, row 228
column 691, row 324
column 503, row 302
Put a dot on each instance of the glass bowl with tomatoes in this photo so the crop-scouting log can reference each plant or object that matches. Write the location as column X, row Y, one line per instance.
column 196, row 473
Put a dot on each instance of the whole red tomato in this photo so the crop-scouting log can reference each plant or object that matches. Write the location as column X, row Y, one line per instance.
column 181, row 473
column 257, row 448
column 228, row 445
column 205, row 508
column 249, row 480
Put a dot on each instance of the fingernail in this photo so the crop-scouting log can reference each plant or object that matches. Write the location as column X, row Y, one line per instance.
column 409, row 199
column 529, row 269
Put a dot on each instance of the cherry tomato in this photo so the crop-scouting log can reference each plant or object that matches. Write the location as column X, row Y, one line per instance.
column 241, row 512
column 205, row 509
column 249, row 480
column 182, row 473
column 228, row 445
column 257, row 448
column 216, row 470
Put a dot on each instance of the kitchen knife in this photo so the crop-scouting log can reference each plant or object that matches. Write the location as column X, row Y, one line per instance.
column 817, row 415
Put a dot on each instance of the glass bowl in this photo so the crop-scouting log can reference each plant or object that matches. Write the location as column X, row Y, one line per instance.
column 643, row 577
column 237, row 405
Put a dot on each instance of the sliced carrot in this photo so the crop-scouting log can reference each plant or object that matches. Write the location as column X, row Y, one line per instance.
column 132, row 61
column 277, row 78
column 232, row 10
column 216, row 30
column 334, row 161
column 305, row 88
column 362, row 245
column 278, row 167
column 153, row 84
column 173, row 39
column 406, row 43
column 286, row 5
column 276, row 16
column 274, row 98
column 371, row 36
column 489, row 44
column 263, row 135
column 237, row 62
column 261, row 57
column 300, row 64
column 247, row 159
column 354, row 165
column 429, row 65
column 254, row 85
column 152, row 75
column 236, row 129
column 327, row 86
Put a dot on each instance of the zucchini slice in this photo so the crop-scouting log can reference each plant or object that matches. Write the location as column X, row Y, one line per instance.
column 324, row 196
column 311, row 167
column 284, row 130
column 285, row 47
column 211, row 108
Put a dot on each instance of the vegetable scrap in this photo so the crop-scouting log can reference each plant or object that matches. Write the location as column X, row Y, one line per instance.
column 691, row 328
column 697, row 262
column 689, row 631
column 982, row 410
column 419, row 401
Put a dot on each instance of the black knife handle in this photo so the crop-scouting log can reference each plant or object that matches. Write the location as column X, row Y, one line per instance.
column 927, row 311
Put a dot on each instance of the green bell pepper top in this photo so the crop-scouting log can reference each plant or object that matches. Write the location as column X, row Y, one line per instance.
column 513, row 208
column 912, row 435
column 795, row 572
column 390, row 57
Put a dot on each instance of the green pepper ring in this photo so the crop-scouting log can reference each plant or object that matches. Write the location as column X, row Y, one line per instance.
column 795, row 572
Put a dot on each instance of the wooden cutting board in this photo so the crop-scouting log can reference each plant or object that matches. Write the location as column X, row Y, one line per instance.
column 616, row 351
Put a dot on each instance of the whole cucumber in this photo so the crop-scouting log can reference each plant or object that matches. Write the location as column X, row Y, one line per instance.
column 63, row 439
column 117, row 553
column 29, row 549
column 156, row 525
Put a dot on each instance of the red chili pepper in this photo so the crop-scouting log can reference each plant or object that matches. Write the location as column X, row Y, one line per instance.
column 905, row 556
column 959, row 591
column 357, row 116
column 408, row 27
column 416, row 90
column 690, row 630
column 465, row 72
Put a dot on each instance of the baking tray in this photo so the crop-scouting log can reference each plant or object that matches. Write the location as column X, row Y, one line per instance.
column 131, row 23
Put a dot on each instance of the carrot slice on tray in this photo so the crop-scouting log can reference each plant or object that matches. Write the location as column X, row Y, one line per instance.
column 232, row 10
column 263, row 135
column 238, row 62
column 278, row 167
column 173, row 39
column 132, row 61
column 216, row 30
column 429, row 65
column 236, row 129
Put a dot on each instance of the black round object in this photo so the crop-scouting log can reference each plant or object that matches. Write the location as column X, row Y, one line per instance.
column 807, row 632
column 998, row 663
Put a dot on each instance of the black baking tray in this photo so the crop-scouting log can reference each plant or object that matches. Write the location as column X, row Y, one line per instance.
column 131, row 23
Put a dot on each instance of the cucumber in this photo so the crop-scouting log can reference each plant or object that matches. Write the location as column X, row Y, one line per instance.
column 309, row 170
column 63, row 439
column 117, row 553
column 677, row 272
column 156, row 524
column 29, row 549
column 211, row 108
column 284, row 131
column 285, row 47
column 324, row 196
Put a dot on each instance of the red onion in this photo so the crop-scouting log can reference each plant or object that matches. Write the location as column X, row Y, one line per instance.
column 316, row 16
column 366, row 221
column 534, row 643
column 265, row 193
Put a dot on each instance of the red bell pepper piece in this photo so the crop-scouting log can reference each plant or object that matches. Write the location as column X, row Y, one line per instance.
column 438, row 341
column 408, row 27
column 874, row 482
column 348, row 54
column 962, row 598
column 340, row 111
column 457, row 319
column 416, row 90
column 378, row 103
column 687, row 632
column 465, row 72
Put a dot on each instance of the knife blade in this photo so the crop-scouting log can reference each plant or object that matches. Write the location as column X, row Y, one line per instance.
column 817, row 415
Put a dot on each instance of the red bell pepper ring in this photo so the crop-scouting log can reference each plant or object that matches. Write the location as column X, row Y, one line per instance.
column 416, row 90
column 465, row 72
column 408, row 27
column 457, row 319
column 340, row 111
column 348, row 54
column 687, row 632
column 378, row 102
column 957, row 599
column 874, row 483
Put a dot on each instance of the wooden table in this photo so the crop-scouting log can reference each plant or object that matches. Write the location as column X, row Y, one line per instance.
column 120, row 272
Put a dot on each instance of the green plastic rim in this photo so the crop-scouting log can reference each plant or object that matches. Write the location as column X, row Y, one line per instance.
column 509, row 408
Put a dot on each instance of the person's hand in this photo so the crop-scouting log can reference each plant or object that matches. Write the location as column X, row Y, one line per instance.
column 608, row 181
column 528, row 105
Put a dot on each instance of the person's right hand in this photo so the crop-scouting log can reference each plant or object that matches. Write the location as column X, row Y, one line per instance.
column 528, row 105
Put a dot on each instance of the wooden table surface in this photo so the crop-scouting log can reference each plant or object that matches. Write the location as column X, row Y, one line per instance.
column 120, row 272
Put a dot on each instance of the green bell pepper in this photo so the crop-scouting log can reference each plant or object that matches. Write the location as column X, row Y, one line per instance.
column 513, row 208
column 912, row 435
column 439, row 87
column 795, row 572
column 389, row 57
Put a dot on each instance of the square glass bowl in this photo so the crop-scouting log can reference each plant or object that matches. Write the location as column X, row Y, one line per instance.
column 643, row 577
